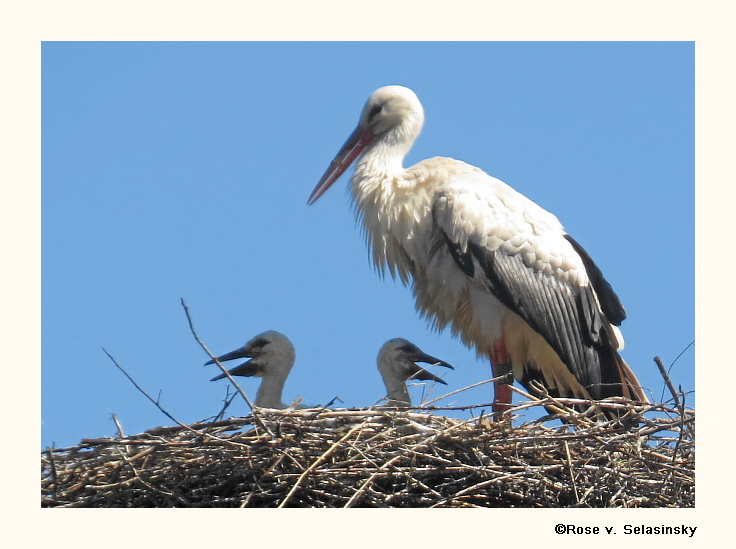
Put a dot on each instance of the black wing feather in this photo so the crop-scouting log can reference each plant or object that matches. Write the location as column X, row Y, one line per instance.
column 463, row 259
column 610, row 303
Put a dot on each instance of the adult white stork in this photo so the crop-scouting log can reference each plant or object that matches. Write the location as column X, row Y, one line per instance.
column 484, row 259
column 271, row 358
column 397, row 361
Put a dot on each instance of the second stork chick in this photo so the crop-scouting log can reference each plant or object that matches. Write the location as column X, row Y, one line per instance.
column 397, row 363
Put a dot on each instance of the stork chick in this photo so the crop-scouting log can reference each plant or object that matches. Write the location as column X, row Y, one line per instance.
column 397, row 363
column 271, row 357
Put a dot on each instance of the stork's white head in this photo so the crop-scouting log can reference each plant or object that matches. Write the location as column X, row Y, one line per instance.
column 393, row 109
column 397, row 363
column 271, row 355
column 392, row 117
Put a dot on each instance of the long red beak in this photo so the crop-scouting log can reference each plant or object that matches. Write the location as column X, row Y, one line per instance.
column 358, row 140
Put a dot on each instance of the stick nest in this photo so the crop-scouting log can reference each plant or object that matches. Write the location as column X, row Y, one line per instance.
column 384, row 457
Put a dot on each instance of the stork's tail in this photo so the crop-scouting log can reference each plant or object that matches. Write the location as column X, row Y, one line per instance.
column 618, row 380
column 631, row 388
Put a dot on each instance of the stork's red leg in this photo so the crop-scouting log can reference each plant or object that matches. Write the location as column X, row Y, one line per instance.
column 501, row 366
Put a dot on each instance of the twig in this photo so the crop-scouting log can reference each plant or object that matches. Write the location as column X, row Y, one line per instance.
column 682, row 429
column 425, row 404
column 226, row 404
column 213, row 357
column 675, row 361
column 572, row 474
column 142, row 390
column 667, row 380
column 119, row 427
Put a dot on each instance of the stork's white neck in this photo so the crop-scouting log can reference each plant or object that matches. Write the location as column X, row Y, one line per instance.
column 279, row 360
column 397, row 392
column 391, row 202
column 269, row 392
column 399, row 396
column 379, row 169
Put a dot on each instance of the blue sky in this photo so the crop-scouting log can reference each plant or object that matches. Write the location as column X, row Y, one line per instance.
column 182, row 170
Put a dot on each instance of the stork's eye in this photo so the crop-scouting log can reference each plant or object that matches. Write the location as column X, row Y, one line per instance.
column 374, row 112
column 259, row 344
column 408, row 349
